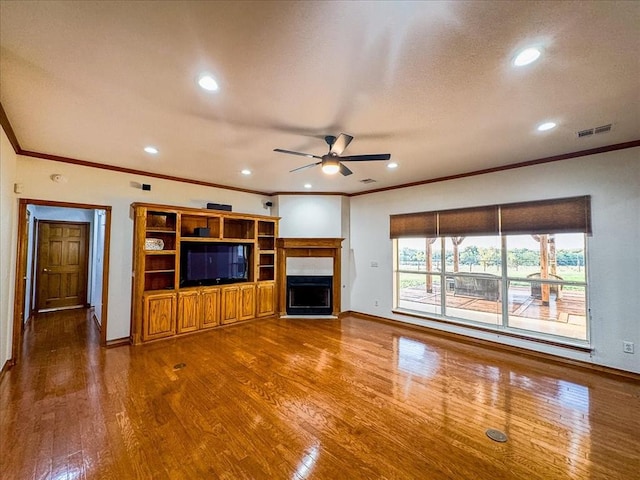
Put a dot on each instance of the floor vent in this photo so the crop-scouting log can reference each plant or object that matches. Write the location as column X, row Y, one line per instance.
column 594, row 131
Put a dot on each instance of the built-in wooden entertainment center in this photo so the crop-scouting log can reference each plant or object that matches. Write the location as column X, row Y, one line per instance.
column 164, row 305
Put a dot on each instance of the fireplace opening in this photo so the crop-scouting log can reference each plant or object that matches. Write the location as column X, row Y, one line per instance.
column 309, row 295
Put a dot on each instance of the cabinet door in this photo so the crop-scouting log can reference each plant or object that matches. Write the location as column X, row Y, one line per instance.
column 188, row 311
column 266, row 304
column 229, row 304
column 159, row 316
column 209, row 307
column 247, row 305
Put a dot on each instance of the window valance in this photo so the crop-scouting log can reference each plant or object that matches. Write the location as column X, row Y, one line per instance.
column 563, row 215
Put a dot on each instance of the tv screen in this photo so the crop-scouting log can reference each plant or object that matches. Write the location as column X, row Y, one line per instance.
column 213, row 263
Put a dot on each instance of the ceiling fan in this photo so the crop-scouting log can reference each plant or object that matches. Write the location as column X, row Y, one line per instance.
column 332, row 161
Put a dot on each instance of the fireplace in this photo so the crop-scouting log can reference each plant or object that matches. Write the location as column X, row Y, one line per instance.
column 321, row 258
column 309, row 295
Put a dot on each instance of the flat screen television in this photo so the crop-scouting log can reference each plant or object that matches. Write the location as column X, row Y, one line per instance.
column 213, row 263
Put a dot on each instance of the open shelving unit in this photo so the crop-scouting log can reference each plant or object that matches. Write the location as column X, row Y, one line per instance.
column 161, row 307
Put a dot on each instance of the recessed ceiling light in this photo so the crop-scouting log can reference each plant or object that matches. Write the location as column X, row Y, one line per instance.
column 392, row 165
column 151, row 149
column 543, row 127
column 246, row 171
column 526, row 56
column 207, row 82
column 307, row 185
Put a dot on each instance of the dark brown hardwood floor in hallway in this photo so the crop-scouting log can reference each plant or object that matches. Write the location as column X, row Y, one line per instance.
column 305, row 399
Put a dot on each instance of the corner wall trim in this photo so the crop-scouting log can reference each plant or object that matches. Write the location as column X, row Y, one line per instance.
column 547, row 357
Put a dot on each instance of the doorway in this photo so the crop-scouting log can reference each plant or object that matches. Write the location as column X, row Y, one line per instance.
column 63, row 288
column 62, row 265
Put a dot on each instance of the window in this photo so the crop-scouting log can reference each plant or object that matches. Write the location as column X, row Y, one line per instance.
column 516, row 267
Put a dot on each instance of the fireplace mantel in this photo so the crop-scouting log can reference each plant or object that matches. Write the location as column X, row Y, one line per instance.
column 308, row 247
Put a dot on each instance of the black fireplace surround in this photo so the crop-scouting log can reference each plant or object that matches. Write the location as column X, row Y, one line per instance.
column 309, row 295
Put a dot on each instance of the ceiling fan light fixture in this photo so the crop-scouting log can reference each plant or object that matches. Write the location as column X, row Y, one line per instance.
column 330, row 166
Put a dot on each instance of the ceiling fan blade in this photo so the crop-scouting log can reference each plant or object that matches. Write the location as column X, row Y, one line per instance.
column 364, row 158
column 341, row 143
column 344, row 170
column 296, row 153
column 305, row 166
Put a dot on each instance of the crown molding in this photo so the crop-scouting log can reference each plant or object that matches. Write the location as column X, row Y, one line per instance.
column 6, row 125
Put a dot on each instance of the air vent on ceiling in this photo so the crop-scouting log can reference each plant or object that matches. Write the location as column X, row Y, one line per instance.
column 602, row 129
column 594, row 131
column 368, row 180
column 585, row 133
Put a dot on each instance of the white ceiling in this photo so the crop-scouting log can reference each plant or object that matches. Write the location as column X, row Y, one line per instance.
column 432, row 83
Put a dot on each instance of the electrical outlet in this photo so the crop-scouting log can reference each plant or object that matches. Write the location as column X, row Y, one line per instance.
column 376, row 303
column 627, row 347
column 374, row 264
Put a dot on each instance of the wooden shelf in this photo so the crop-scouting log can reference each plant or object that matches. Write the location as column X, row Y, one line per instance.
column 156, row 277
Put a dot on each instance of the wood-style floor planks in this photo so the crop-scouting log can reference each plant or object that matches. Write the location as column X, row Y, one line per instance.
column 305, row 399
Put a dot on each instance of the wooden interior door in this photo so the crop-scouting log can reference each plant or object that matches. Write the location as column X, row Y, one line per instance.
column 62, row 264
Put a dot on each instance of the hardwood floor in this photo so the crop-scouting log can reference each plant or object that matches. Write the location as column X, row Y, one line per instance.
column 305, row 399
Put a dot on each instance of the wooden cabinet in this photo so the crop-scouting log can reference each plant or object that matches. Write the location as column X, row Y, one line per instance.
column 229, row 304
column 238, row 303
column 165, row 302
column 266, row 299
column 159, row 314
column 198, row 309
column 210, row 307
column 188, row 311
column 247, row 302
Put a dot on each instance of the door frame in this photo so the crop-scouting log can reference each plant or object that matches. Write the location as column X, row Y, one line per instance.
column 21, row 268
column 85, row 260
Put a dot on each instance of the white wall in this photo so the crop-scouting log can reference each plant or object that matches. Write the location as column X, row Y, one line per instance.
column 310, row 216
column 613, row 181
column 8, row 236
column 106, row 188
